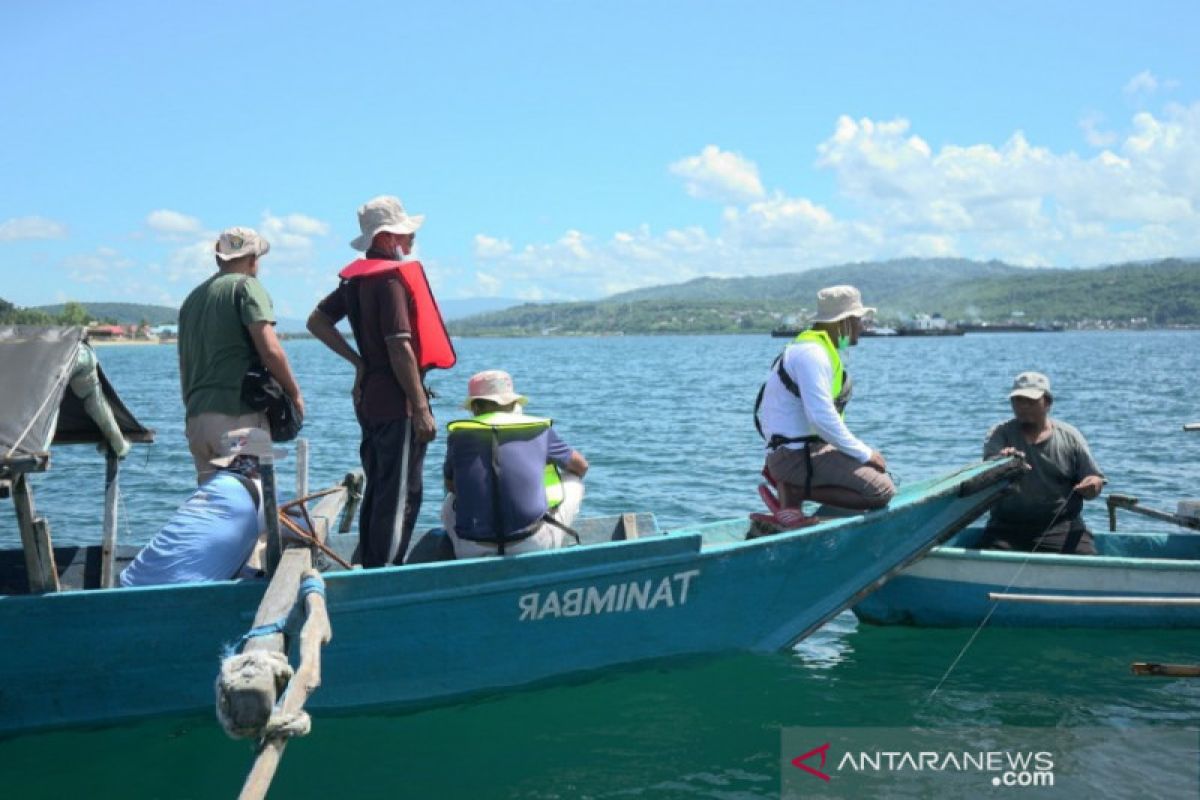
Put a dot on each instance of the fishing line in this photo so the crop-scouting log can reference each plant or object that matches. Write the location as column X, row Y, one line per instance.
column 996, row 603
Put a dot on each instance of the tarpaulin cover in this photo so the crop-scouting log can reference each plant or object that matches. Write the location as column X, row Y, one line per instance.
column 37, row 406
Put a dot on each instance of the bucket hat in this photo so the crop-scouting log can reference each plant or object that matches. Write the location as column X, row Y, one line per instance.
column 384, row 214
column 238, row 242
column 835, row 303
column 495, row 385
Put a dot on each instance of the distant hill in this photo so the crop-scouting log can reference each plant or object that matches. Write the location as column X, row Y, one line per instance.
column 123, row 313
column 876, row 279
column 457, row 309
column 1156, row 293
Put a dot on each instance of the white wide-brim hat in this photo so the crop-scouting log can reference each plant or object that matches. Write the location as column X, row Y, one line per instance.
column 239, row 242
column 835, row 303
column 495, row 385
column 384, row 214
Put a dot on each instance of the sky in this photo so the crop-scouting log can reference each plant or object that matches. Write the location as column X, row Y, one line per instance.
column 568, row 150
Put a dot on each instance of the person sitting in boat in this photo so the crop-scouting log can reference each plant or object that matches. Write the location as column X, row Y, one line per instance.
column 211, row 536
column 811, row 454
column 1044, row 515
column 513, row 485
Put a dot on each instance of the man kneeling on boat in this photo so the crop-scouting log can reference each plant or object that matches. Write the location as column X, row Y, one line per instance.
column 811, row 454
column 211, row 536
column 1044, row 514
column 513, row 485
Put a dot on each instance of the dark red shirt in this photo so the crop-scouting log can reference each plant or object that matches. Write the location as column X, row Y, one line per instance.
column 382, row 314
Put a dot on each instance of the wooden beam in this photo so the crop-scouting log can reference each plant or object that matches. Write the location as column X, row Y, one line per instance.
column 1130, row 503
column 313, row 636
column 108, row 539
column 1167, row 670
column 40, row 568
column 1094, row 600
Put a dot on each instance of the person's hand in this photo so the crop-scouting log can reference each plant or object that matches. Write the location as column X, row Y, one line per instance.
column 1012, row 451
column 423, row 424
column 876, row 461
column 1090, row 487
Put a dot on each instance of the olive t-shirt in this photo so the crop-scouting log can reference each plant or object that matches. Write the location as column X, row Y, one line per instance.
column 214, row 348
column 1057, row 465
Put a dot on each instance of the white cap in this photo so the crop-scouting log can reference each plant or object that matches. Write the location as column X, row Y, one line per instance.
column 238, row 242
column 384, row 214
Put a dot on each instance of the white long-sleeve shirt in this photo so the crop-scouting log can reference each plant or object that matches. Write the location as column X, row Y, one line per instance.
column 813, row 413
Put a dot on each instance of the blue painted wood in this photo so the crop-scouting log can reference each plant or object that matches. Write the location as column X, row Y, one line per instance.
column 950, row 586
column 428, row 632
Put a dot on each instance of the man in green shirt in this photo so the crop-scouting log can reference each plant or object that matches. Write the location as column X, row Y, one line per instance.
column 225, row 325
column 1044, row 514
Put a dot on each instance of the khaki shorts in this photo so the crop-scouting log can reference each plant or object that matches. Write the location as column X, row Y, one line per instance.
column 831, row 467
column 204, row 432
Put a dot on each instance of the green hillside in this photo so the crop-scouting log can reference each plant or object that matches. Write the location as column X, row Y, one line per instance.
column 1162, row 293
column 122, row 313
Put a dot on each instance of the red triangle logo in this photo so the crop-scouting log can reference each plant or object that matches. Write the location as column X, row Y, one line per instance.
column 798, row 761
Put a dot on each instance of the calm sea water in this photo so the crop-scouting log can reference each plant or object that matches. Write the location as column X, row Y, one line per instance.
column 665, row 423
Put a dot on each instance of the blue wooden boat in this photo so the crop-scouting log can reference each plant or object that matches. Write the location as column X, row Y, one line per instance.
column 432, row 631
column 1136, row 580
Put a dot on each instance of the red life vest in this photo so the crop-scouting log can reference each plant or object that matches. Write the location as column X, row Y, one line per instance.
column 431, row 342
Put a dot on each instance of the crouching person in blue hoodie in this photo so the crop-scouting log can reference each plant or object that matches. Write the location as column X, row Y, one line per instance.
column 211, row 536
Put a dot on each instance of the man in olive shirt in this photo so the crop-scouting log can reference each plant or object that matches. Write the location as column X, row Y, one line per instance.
column 1044, row 514
column 215, row 350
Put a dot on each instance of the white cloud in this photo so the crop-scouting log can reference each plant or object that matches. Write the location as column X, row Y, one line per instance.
column 22, row 228
column 172, row 223
column 717, row 174
column 487, row 247
column 1142, row 83
column 104, row 265
column 291, row 236
column 1094, row 134
column 1137, row 198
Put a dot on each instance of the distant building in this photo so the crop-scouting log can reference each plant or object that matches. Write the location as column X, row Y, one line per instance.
column 106, row 332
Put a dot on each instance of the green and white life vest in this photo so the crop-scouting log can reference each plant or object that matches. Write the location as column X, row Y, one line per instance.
column 842, row 387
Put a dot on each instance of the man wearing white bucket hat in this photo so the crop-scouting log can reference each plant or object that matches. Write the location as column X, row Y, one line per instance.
column 811, row 454
column 226, row 324
column 512, row 484
column 399, row 335
column 1044, row 514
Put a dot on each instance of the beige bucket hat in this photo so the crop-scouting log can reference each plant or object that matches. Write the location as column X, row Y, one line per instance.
column 238, row 242
column 495, row 385
column 835, row 303
column 384, row 214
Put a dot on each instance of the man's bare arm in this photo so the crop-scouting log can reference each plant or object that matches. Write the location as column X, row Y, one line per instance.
column 577, row 464
column 328, row 334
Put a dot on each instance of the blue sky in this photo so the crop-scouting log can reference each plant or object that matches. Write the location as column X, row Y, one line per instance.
column 568, row 150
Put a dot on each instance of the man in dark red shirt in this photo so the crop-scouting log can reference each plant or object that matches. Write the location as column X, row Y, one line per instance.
column 389, row 397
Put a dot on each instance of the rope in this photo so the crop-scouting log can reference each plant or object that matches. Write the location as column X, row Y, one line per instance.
column 996, row 603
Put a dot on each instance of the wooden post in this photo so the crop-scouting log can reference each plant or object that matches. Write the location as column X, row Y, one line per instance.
column 266, row 469
column 108, row 541
column 40, row 568
column 628, row 527
column 354, row 489
column 301, row 467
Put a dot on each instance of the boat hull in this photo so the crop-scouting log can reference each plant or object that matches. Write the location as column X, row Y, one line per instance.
column 423, row 633
column 950, row 587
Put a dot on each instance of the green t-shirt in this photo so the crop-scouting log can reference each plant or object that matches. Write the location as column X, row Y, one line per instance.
column 1056, row 465
column 214, row 351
